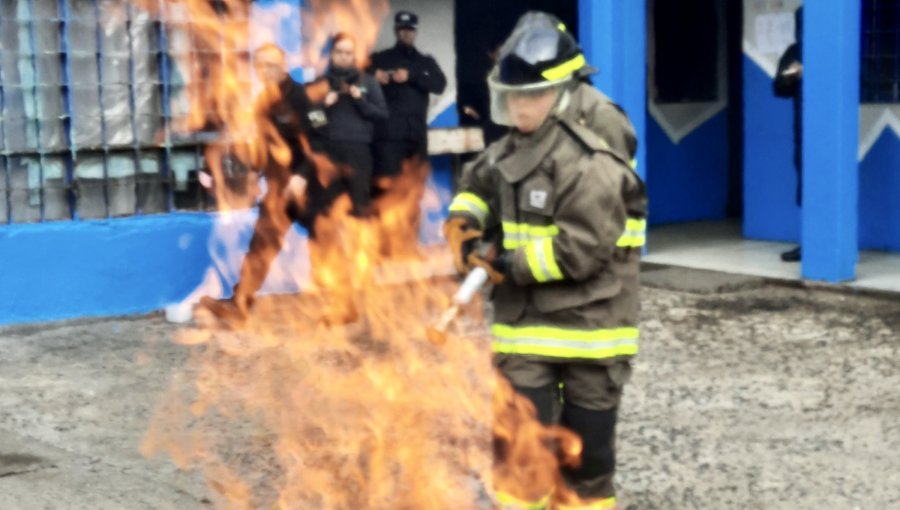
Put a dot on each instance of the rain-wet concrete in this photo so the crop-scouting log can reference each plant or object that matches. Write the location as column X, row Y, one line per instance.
column 746, row 394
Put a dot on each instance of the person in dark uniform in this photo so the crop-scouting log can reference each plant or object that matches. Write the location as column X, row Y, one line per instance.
column 788, row 83
column 353, row 104
column 407, row 78
column 295, row 190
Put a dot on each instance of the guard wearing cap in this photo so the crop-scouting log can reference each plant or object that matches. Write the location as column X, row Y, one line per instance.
column 407, row 77
column 569, row 211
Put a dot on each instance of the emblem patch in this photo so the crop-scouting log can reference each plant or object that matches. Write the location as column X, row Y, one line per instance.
column 537, row 198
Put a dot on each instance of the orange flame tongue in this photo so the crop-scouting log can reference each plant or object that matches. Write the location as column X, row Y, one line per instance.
column 301, row 409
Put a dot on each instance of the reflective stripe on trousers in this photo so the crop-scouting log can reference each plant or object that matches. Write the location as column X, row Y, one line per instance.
column 556, row 342
column 602, row 504
column 509, row 502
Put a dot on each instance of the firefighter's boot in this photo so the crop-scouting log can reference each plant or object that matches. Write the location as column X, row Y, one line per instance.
column 593, row 479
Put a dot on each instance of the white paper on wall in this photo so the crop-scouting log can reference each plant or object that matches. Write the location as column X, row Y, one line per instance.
column 774, row 32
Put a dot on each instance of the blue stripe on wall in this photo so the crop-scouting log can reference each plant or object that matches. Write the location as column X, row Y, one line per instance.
column 770, row 180
column 447, row 118
column 688, row 181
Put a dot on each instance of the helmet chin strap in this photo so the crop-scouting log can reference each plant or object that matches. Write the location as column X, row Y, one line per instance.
column 562, row 102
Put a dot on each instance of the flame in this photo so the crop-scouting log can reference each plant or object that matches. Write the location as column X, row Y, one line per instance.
column 334, row 399
column 325, row 18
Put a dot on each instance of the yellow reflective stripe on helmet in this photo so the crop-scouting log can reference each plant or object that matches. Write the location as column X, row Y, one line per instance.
column 566, row 68
column 472, row 204
column 541, row 261
column 510, row 502
column 603, row 504
column 517, row 235
column 556, row 342
column 635, row 234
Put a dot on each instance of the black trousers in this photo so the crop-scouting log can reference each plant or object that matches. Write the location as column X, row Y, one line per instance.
column 390, row 155
column 355, row 161
column 276, row 215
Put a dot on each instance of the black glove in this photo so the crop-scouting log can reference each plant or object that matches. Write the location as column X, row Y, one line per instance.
column 497, row 267
column 503, row 263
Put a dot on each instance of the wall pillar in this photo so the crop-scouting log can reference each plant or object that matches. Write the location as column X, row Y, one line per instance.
column 831, row 37
column 613, row 35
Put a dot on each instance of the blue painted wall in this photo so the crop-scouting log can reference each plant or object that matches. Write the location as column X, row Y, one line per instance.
column 770, row 181
column 879, row 189
column 613, row 37
column 62, row 270
column 91, row 268
column 770, row 210
column 688, row 181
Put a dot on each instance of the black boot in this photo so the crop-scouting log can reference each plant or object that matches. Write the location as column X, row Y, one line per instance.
column 791, row 255
column 597, row 429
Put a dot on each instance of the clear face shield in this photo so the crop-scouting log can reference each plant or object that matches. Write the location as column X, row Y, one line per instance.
column 502, row 94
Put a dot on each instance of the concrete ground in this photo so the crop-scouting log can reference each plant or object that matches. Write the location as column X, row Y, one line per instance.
column 746, row 395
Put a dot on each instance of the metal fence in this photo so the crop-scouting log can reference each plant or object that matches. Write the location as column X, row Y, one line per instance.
column 88, row 90
column 880, row 48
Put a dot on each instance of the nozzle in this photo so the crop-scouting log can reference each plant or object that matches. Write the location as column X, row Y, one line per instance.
column 437, row 333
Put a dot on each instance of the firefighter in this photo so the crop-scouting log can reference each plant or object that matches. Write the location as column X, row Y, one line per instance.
column 570, row 213
column 295, row 190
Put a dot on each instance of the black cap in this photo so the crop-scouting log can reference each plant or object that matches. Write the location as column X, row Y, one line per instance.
column 406, row 19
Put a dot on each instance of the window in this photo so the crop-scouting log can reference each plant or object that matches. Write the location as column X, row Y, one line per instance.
column 880, row 48
column 88, row 90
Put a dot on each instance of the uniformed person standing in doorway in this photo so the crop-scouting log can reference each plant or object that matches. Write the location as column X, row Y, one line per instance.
column 570, row 213
column 407, row 77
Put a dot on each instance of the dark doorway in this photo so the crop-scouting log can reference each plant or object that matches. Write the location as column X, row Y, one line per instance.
column 481, row 26
column 734, row 39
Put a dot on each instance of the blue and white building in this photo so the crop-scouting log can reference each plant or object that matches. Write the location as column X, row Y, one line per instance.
column 101, row 212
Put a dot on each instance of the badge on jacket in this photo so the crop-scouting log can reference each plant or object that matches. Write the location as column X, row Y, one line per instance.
column 537, row 199
column 317, row 118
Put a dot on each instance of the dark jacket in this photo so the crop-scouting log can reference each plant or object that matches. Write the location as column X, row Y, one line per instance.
column 408, row 102
column 792, row 87
column 353, row 120
column 290, row 117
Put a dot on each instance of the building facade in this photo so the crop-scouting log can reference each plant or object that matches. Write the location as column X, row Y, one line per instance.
column 101, row 212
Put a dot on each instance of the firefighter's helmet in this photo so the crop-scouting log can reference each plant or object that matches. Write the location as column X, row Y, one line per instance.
column 539, row 55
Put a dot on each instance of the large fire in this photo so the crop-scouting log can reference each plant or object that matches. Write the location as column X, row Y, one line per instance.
column 292, row 412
